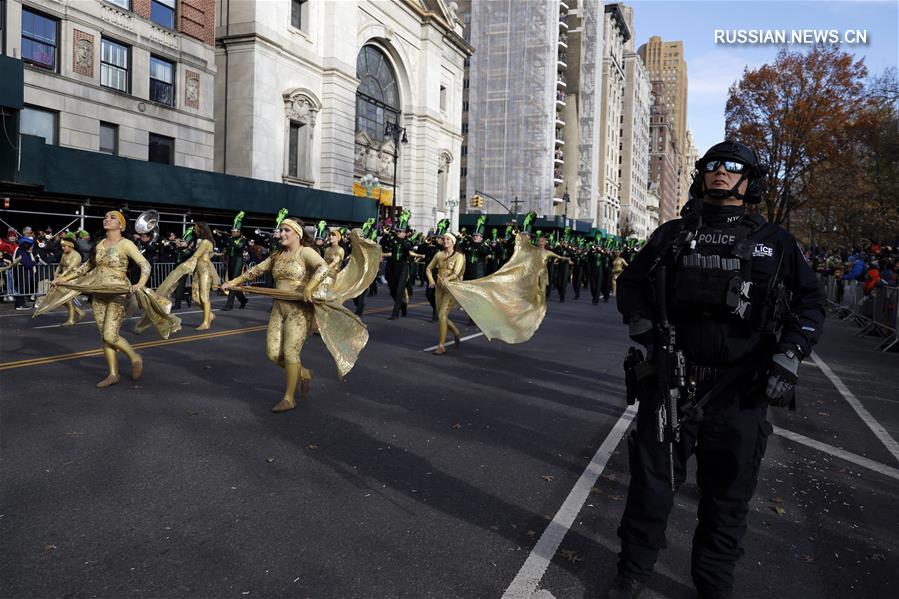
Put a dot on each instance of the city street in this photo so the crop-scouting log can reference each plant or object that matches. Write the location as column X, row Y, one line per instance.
column 419, row 476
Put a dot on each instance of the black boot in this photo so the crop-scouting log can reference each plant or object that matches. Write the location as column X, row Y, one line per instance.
column 243, row 304
column 625, row 588
column 404, row 309
column 395, row 314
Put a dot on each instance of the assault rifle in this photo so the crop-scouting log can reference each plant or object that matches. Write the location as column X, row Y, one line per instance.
column 671, row 369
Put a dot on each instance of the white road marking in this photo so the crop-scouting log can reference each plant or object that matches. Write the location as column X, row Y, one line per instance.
column 864, row 414
column 52, row 326
column 839, row 453
column 462, row 339
column 534, row 567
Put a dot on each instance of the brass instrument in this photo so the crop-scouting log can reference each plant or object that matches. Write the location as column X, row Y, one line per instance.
column 148, row 223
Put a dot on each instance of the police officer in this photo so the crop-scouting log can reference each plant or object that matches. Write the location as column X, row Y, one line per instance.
column 745, row 309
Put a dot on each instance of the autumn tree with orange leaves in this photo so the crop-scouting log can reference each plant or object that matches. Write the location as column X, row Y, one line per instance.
column 798, row 114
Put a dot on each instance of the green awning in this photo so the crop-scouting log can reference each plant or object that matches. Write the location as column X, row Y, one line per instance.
column 93, row 175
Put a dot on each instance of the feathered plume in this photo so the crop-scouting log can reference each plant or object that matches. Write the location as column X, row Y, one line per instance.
column 238, row 221
column 282, row 214
column 405, row 215
column 529, row 221
column 481, row 225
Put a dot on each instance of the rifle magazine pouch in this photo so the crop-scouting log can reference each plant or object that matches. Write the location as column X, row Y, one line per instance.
column 711, row 289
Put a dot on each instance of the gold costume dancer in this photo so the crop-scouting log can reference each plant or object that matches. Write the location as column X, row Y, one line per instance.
column 70, row 261
column 450, row 266
column 205, row 276
column 105, row 277
column 305, row 295
column 334, row 254
column 509, row 304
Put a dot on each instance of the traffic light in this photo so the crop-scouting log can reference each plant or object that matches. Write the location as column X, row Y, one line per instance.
column 476, row 201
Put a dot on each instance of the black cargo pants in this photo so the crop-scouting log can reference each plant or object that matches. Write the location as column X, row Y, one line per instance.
column 729, row 444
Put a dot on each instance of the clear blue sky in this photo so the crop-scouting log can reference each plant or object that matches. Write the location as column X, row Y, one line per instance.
column 712, row 67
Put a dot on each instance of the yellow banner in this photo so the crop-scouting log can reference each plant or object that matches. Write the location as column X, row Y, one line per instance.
column 384, row 195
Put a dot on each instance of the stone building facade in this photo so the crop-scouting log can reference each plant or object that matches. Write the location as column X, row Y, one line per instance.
column 132, row 78
column 305, row 91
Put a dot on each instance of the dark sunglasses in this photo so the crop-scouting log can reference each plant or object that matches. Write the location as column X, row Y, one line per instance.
column 731, row 166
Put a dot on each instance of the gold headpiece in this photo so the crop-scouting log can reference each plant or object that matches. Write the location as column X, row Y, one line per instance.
column 119, row 217
column 293, row 225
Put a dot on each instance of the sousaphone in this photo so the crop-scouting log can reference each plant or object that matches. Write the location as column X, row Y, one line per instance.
column 148, row 222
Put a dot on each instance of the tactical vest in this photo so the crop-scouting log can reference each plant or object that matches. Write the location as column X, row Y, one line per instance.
column 713, row 277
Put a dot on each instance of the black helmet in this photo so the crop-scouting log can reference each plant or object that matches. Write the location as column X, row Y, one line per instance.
column 731, row 150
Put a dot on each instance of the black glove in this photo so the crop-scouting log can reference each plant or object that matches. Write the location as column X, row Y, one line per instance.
column 782, row 375
column 640, row 331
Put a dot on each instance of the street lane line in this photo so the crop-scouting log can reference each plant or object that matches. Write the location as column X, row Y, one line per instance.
column 534, row 567
column 51, row 326
column 97, row 352
column 460, row 339
column 839, row 453
column 864, row 414
column 200, row 337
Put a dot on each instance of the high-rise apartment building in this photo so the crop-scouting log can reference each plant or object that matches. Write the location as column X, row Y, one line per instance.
column 635, row 130
column 664, row 159
column 616, row 34
column 665, row 62
column 533, row 130
column 634, row 160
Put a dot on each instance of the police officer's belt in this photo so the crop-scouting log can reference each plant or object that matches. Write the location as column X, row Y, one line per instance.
column 706, row 374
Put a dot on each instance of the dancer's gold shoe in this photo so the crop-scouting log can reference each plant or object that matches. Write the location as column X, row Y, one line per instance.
column 137, row 369
column 285, row 405
column 112, row 379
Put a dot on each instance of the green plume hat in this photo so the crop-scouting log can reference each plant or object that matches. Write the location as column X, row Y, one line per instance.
column 403, row 223
column 238, row 221
column 529, row 220
column 481, row 225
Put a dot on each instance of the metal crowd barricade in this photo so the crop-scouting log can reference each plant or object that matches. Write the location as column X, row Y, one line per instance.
column 875, row 313
column 35, row 281
column 27, row 281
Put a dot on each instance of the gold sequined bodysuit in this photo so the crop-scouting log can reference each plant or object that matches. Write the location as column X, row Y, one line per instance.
column 290, row 322
column 449, row 268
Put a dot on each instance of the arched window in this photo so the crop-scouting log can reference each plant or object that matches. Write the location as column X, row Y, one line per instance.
column 378, row 96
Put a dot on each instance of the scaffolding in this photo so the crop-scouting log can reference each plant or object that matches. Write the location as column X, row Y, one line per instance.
column 512, row 101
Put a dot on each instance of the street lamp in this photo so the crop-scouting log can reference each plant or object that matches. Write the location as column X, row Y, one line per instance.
column 452, row 203
column 397, row 134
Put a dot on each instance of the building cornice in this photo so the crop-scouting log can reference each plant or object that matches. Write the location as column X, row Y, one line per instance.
column 439, row 21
